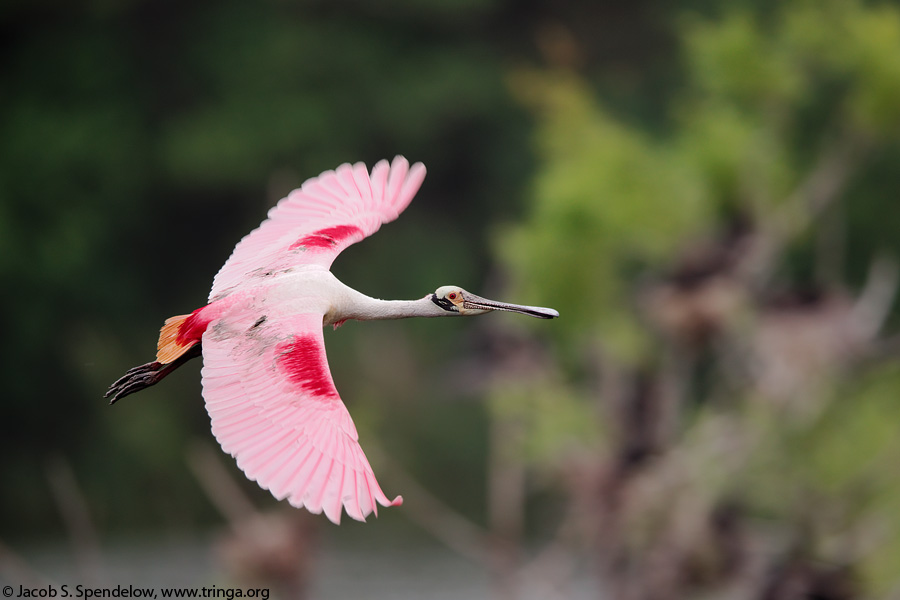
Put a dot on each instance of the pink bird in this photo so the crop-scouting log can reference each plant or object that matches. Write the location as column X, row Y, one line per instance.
column 270, row 396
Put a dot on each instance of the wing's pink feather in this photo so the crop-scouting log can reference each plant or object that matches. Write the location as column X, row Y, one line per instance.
column 316, row 222
column 362, row 180
column 274, row 407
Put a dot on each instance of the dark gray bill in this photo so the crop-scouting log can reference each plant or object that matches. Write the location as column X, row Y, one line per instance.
column 471, row 301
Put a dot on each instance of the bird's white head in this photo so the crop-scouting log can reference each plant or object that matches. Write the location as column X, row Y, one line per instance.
column 457, row 301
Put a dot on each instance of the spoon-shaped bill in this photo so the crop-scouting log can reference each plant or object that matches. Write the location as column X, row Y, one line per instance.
column 473, row 302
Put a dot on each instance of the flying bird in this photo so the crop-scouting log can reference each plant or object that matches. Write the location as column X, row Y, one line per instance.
column 266, row 383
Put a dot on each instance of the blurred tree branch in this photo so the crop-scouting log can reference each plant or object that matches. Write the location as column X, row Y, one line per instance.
column 733, row 377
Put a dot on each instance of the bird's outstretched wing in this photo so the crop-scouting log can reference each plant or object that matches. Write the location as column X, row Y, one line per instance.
column 274, row 407
column 315, row 222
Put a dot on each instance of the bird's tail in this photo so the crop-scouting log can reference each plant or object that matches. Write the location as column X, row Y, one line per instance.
column 179, row 341
column 178, row 335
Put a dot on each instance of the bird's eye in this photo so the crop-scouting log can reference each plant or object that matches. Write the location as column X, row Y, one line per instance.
column 452, row 295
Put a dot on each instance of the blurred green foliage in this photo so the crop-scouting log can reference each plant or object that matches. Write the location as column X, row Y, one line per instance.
column 606, row 198
column 834, row 476
column 778, row 122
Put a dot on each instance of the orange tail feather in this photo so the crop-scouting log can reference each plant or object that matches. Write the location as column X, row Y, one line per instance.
column 172, row 342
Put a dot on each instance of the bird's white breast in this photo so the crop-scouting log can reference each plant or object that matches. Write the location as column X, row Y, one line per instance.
column 307, row 289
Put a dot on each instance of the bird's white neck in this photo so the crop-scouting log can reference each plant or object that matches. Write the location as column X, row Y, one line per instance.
column 364, row 308
column 401, row 309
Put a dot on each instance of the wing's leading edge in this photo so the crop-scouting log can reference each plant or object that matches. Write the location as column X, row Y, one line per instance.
column 317, row 221
column 274, row 407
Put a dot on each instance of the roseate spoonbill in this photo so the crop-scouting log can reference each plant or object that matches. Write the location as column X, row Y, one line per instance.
column 270, row 396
